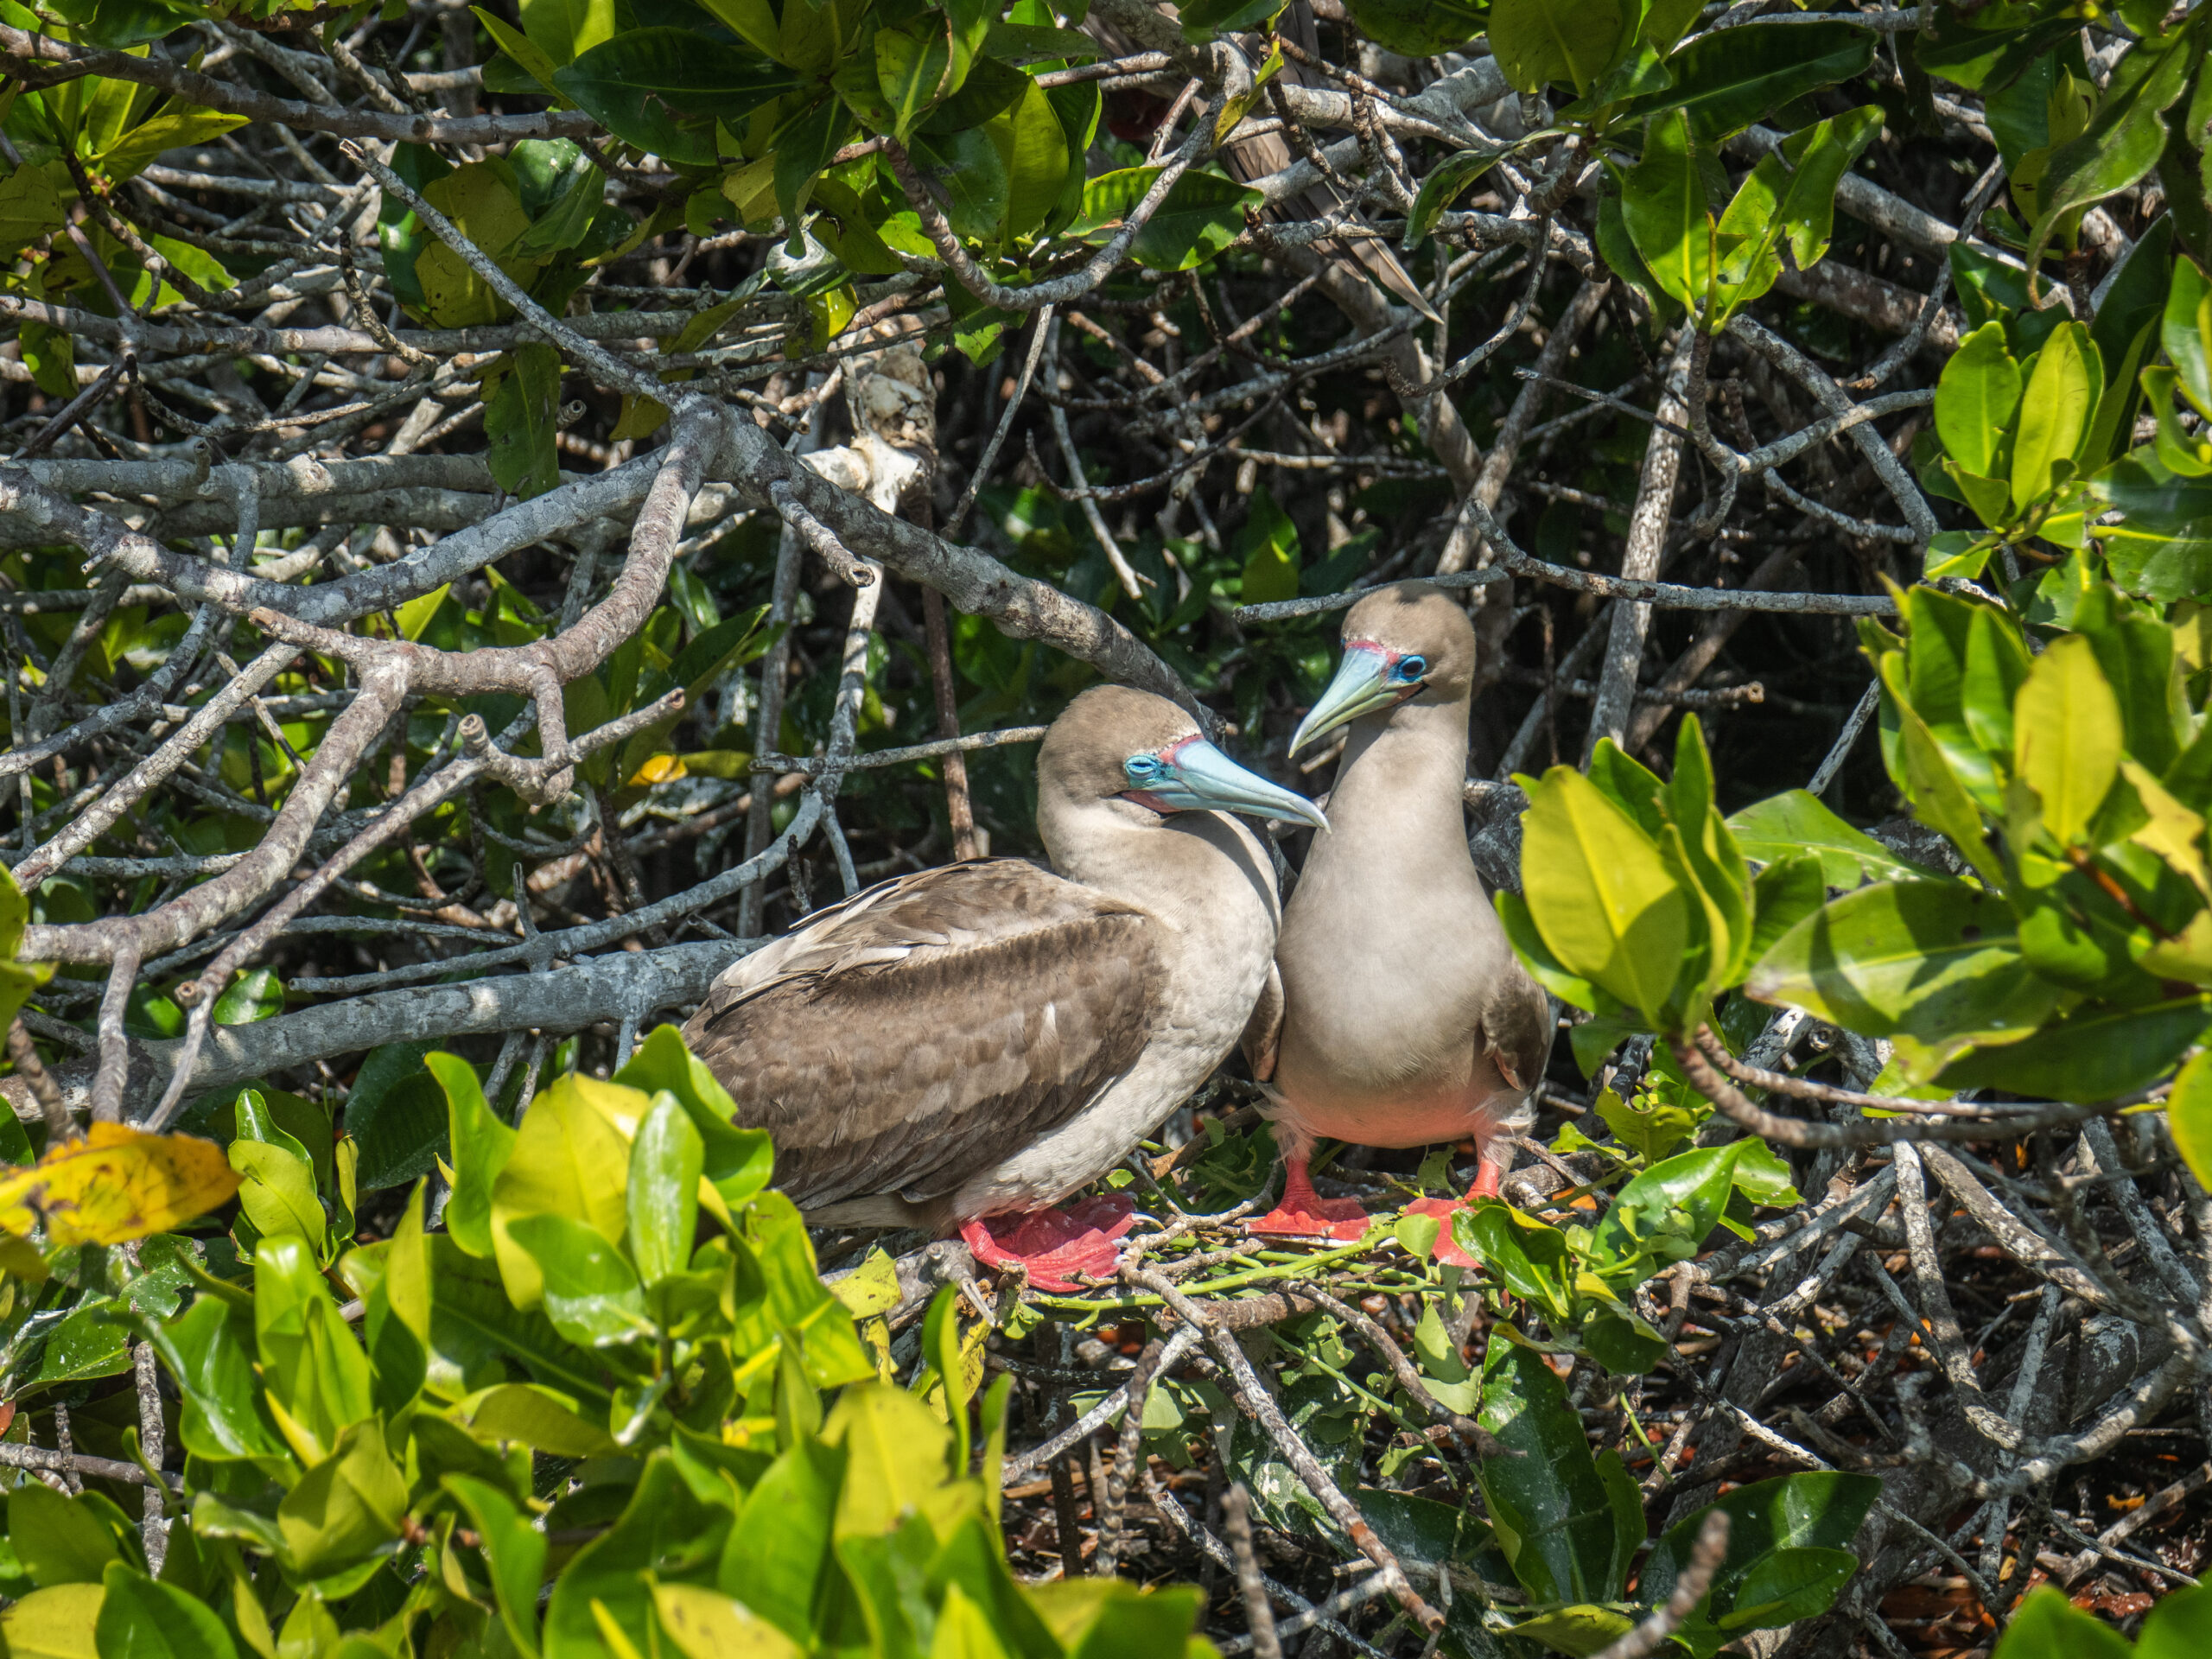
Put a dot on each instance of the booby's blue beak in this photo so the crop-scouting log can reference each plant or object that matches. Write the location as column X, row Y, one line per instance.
column 1195, row 775
column 1370, row 677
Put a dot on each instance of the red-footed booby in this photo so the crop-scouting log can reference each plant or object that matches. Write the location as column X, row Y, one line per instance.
column 960, row 1048
column 1406, row 1017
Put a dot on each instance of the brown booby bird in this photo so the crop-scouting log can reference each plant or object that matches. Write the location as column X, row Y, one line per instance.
column 959, row 1048
column 1406, row 1017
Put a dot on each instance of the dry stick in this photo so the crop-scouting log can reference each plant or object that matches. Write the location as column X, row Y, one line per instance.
column 1647, row 541
column 1796, row 1132
column 114, row 1046
column 1100, row 533
column 982, row 473
column 959, row 806
column 1868, row 701
column 72, row 1463
column 153, row 1527
column 1218, row 1553
column 811, row 531
column 59, row 1126
column 1940, row 1320
column 41, row 61
column 1462, row 549
column 1018, row 1468
column 1712, row 1549
column 1236, row 1522
column 1253, row 1398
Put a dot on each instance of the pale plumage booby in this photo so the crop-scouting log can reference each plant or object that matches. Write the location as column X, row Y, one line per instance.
column 959, row 1048
column 1406, row 1017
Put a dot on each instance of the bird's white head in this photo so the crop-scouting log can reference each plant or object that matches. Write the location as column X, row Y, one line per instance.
column 1409, row 642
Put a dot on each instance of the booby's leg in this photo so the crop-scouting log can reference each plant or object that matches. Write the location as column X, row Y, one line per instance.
column 1050, row 1244
column 1305, row 1214
column 1490, row 1170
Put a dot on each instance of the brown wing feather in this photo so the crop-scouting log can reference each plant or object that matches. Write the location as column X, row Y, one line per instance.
column 1262, row 1038
column 1516, row 1027
column 927, row 1029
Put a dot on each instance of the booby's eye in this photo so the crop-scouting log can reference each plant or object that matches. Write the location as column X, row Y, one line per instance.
column 1412, row 668
column 1141, row 768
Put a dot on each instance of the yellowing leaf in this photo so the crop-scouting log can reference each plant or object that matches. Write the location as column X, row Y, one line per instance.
column 707, row 1625
column 660, row 769
column 116, row 1185
column 56, row 1623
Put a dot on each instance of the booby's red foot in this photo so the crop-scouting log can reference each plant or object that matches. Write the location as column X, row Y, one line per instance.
column 1051, row 1244
column 1447, row 1247
column 1304, row 1213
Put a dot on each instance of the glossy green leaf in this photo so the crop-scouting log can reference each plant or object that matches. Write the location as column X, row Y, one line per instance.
column 1927, row 957
column 1784, row 1540
column 1730, row 79
column 639, row 84
column 59, row 1540
column 1822, row 155
column 1417, row 28
column 347, row 1506
column 591, row 1291
column 2179, row 1627
column 2056, row 405
column 2185, row 332
column 1598, row 890
column 2125, row 136
column 1662, row 1216
column 1444, row 183
column 707, row 1624
column 2047, row 1626
column 736, row 1162
column 55, row 1623
column 1784, row 826
column 912, row 63
column 522, row 405
column 2067, row 742
column 2189, row 1116
column 2097, row 1053
column 514, row 1550
column 570, row 1159
column 1539, row 42
column 257, row 996
column 1202, row 214
column 1528, row 1258
column 1550, row 1507
column 1035, row 155
column 481, row 1145
column 666, row 1531
column 1663, row 207
column 778, row 1556
column 397, row 1112
column 316, row 1376
column 662, row 1200
column 141, row 1619
column 1977, row 399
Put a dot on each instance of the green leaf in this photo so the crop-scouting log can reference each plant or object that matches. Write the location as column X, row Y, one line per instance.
column 1416, row 28
column 778, row 1557
column 276, row 1193
column 1925, row 957
column 477, row 1333
column 2179, row 1627
column 1787, row 1586
column 1977, row 399
column 522, row 404
column 591, row 1291
column 210, row 1352
column 562, row 28
column 912, row 62
column 55, row 1623
column 2067, row 745
column 1034, row 150
column 397, row 1112
column 1270, row 544
column 2185, row 332
column 2055, row 409
column 537, row 1418
column 571, row 1155
column 59, row 1540
column 642, row 83
column 1539, row 42
column 2189, row 1116
column 140, row 1619
column 736, row 1162
column 514, row 1550
column 2097, row 1053
column 346, row 1508
column 1822, row 154
column 2125, row 136
column 257, row 996
column 1443, row 184
column 707, row 1625
column 1601, row 893
column 1805, row 1516
column 667, row 1531
column 2049, row 1626
column 1662, row 1216
column 1726, row 81
column 1551, row 1508
column 481, row 1145
column 804, row 146
column 1662, row 204
column 526, row 55
column 663, row 1201
column 1202, row 214
column 1528, row 1258
column 969, row 180
column 179, row 126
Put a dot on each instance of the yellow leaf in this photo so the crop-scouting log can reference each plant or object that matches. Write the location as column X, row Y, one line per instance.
column 659, row 769
column 707, row 1625
column 55, row 1622
column 116, row 1185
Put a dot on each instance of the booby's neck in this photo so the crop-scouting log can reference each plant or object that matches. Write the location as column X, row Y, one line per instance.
column 1398, row 787
column 1197, row 871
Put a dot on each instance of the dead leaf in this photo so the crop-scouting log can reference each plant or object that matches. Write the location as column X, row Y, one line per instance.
column 116, row 1185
